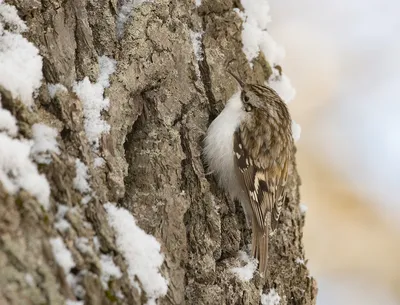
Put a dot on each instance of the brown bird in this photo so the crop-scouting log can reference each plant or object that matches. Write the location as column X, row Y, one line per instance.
column 249, row 147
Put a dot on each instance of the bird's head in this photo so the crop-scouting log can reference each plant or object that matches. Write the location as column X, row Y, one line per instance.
column 258, row 97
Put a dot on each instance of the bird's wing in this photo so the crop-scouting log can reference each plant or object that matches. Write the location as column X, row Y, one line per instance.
column 266, row 193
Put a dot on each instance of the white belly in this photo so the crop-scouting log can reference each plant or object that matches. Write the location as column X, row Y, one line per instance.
column 219, row 146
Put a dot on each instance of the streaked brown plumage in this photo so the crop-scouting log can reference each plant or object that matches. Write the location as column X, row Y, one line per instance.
column 263, row 149
column 249, row 147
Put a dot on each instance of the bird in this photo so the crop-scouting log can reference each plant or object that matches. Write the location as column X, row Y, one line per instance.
column 249, row 147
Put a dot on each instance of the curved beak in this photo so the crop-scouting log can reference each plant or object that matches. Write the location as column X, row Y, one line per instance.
column 237, row 79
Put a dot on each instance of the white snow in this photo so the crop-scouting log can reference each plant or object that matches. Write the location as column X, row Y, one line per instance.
column 258, row 12
column 29, row 279
column 141, row 252
column 54, row 88
column 61, row 224
column 273, row 52
column 20, row 62
column 87, row 225
column 296, row 131
column 81, row 179
column 96, row 243
column 272, row 298
column 9, row 16
column 85, row 199
column 246, row 272
column 62, row 209
column 303, row 208
column 17, row 171
column 62, row 255
column 82, row 244
column 197, row 2
column 74, row 281
column 107, row 67
column 198, row 52
column 21, row 74
column 45, row 143
column 8, row 123
column 108, row 270
column 256, row 39
column 300, row 261
column 196, row 41
column 120, row 295
column 125, row 12
column 65, row 260
column 92, row 97
column 282, row 85
column 98, row 162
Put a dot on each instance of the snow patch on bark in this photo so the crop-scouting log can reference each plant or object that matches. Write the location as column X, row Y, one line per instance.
column 303, row 208
column 108, row 270
column 246, row 272
column 256, row 39
column 141, row 251
column 272, row 298
column 61, row 224
column 196, row 42
column 54, row 88
column 81, row 179
column 17, row 171
column 44, row 143
column 125, row 12
column 8, row 123
column 94, row 102
column 62, row 255
column 20, row 62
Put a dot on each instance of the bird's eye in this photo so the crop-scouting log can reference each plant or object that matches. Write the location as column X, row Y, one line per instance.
column 246, row 98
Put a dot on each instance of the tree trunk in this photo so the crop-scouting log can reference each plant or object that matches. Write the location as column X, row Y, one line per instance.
column 162, row 99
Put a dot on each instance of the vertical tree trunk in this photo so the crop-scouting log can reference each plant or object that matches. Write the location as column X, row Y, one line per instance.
column 162, row 99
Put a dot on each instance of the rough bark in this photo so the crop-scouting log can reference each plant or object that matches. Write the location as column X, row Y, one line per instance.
column 160, row 110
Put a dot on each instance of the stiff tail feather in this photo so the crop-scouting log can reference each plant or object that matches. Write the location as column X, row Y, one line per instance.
column 259, row 247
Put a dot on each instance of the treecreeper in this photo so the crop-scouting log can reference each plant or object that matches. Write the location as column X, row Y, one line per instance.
column 249, row 148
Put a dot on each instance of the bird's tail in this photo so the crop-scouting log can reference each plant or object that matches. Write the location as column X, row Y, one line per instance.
column 260, row 247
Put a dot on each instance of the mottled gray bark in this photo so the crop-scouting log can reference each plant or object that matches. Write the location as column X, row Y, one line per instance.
column 159, row 113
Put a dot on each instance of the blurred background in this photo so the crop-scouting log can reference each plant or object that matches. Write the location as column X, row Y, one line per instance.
column 343, row 58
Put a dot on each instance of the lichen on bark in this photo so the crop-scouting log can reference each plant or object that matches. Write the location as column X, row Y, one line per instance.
column 160, row 108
